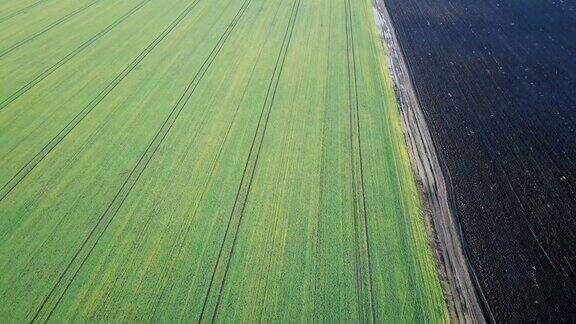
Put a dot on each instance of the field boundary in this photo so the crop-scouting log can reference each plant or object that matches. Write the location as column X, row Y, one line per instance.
column 444, row 233
column 248, row 173
column 28, row 167
column 69, row 56
column 47, row 28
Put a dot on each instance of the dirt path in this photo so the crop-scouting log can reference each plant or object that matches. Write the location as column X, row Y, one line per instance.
column 462, row 297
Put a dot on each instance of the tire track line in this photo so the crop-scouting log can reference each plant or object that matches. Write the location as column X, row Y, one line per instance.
column 205, row 187
column 247, row 176
column 357, row 263
column 211, row 172
column 69, row 56
column 17, row 12
column 69, row 274
column 363, row 280
column 28, row 167
column 46, row 29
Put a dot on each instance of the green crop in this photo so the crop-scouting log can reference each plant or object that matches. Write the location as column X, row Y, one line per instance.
column 228, row 160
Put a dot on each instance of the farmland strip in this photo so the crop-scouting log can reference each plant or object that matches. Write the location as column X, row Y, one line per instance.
column 10, row 185
column 405, row 281
column 364, row 280
column 187, row 232
column 335, row 281
column 46, row 29
column 247, row 175
column 15, row 13
column 67, row 277
column 68, row 57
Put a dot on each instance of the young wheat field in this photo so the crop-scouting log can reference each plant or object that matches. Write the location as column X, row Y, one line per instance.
column 205, row 160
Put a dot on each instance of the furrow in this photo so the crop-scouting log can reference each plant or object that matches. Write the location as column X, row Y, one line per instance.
column 68, row 57
column 82, row 254
column 46, row 29
column 26, row 169
column 230, row 238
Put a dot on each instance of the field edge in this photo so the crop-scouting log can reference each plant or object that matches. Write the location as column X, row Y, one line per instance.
column 463, row 297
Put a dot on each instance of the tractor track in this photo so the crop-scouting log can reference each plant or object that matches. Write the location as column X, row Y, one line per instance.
column 68, row 57
column 46, row 29
column 248, row 173
column 26, row 169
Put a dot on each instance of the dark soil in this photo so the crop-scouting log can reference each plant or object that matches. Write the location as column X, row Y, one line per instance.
column 496, row 81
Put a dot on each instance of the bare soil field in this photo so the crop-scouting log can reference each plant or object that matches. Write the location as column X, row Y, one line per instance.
column 495, row 81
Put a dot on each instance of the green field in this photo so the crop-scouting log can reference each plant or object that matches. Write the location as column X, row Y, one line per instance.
column 195, row 160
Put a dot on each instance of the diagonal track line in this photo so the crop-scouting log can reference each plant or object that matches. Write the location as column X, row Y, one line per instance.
column 17, row 12
column 212, row 169
column 247, row 176
column 69, row 274
column 68, row 57
column 46, row 29
column 26, row 169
